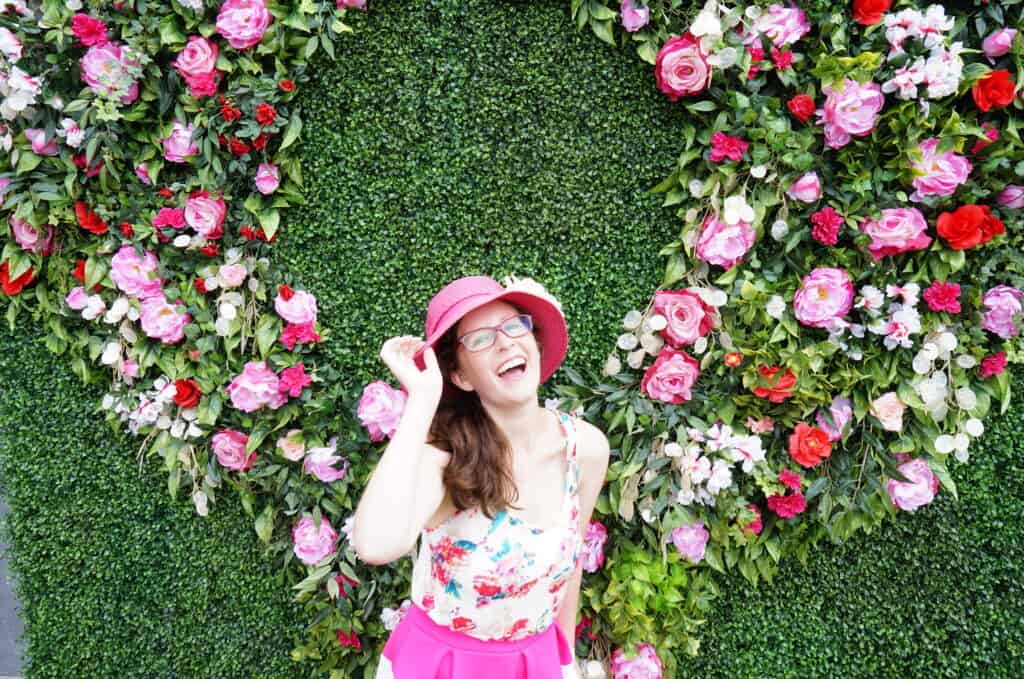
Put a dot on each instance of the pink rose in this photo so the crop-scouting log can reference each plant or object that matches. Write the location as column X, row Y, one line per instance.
column 231, row 275
column 256, row 386
column 134, row 275
column 41, row 147
column 691, row 540
column 825, row 296
column 850, row 113
column 205, row 214
column 671, row 377
column 320, row 463
column 178, row 146
column 888, row 408
column 782, row 25
column 1011, row 197
column 300, row 308
column 592, row 551
column 645, row 665
column 267, row 178
column 197, row 64
column 807, row 189
column 898, row 230
column 107, row 70
column 722, row 244
column 142, row 172
column 292, row 446
column 1002, row 304
column 350, row 4
column 313, row 545
column 380, row 409
column 689, row 318
column 77, row 299
column 937, row 174
column 919, row 489
column 29, row 238
column 682, row 68
column 229, row 446
column 162, row 321
column 841, row 412
column 998, row 43
column 243, row 22
column 633, row 18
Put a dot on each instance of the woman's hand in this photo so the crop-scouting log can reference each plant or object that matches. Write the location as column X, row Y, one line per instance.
column 421, row 385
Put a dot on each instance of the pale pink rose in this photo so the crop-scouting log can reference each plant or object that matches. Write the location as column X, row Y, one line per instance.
column 229, row 446
column 10, row 45
column 682, row 68
column 1011, row 197
column 107, row 70
column 268, row 178
column 671, row 377
column 292, row 446
column 256, row 386
column 825, row 296
column 841, row 410
column 136, row 276
column 998, row 42
column 644, row 665
column 592, row 551
column 807, row 189
column 689, row 318
column 320, row 463
column 231, row 275
column 937, row 174
column 899, row 230
column 888, row 408
column 723, row 244
column 205, row 214
column 37, row 136
column 691, row 540
column 313, row 545
column 781, row 24
column 850, row 113
column 919, row 489
column 28, row 237
column 129, row 369
column 300, row 309
column 633, row 18
column 142, row 172
column 178, row 146
column 198, row 58
column 350, row 4
column 1002, row 304
column 77, row 299
column 243, row 22
column 162, row 321
column 380, row 409
column 4, row 183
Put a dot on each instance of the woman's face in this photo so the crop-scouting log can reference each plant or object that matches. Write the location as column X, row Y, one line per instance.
column 479, row 370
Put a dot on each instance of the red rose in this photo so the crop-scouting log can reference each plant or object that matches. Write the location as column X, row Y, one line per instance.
column 801, row 106
column 238, row 147
column 869, row 12
column 287, row 85
column 808, row 445
column 787, row 506
column 260, row 142
column 126, row 229
column 968, row 226
column 79, row 274
column 186, row 393
column 778, row 389
column 166, row 193
column 14, row 286
column 285, row 292
column 349, row 639
column 200, row 284
column 265, row 114
column 229, row 112
column 210, row 250
column 89, row 220
column 994, row 90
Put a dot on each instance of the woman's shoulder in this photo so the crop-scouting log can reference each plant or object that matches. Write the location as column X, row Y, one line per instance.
column 592, row 448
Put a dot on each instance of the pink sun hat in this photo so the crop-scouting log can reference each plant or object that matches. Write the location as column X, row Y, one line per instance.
column 465, row 294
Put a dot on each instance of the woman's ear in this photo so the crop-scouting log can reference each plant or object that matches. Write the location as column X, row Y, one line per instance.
column 459, row 381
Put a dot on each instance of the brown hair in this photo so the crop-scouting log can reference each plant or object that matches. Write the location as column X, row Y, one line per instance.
column 480, row 471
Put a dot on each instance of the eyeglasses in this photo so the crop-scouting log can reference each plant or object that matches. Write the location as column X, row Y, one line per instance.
column 481, row 338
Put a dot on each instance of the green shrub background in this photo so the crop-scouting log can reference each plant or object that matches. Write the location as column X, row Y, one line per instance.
column 453, row 138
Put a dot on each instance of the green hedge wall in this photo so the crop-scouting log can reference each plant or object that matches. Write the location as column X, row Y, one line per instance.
column 452, row 138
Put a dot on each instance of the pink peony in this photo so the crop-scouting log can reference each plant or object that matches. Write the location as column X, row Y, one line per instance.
column 689, row 318
column 320, row 463
column 645, row 665
column 292, row 446
column 162, row 321
column 108, row 71
column 633, row 18
column 671, row 377
column 380, row 409
column 299, row 307
column 313, row 545
column 937, row 174
column 888, row 408
column 841, row 412
column 178, row 146
column 943, row 297
column 918, row 490
column 292, row 380
column 825, row 296
column 256, row 386
column 722, row 244
column 806, row 189
column 1011, row 197
column 691, row 540
column 197, row 64
column 682, row 67
column 205, row 214
column 727, row 147
column 268, row 178
column 990, row 365
column 781, row 24
column 40, row 146
column 592, row 551
column 30, row 238
column 898, row 230
column 243, row 22
column 850, row 112
column 134, row 275
column 229, row 446
column 998, row 43
column 1002, row 303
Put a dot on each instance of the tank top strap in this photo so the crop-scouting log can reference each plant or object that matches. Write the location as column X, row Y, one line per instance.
column 569, row 424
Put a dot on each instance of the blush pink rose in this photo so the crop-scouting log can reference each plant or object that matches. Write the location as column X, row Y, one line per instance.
column 850, row 113
column 807, row 189
column 898, row 230
column 313, row 545
column 40, row 146
column 633, row 18
column 163, row 321
column 691, row 541
column 178, row 145
column 689, row 318
column 645, row 665
column 298, row 308
column 268, row 178
column 888, row 408
column 197, row 64
column 107, row 70
column 723, row 244
column 29, row 237
column 256, row 386
column 825, row 296
column 320, row 463
column 1011, row 197
column 781, row 24
column 243, row 22
column 77, row 299
column 841, row 412
column 292, row 446
column 205, row 214
column 136, row 276
column 682, row 68
column 1002, row 303
column 380, row 409
column 592, row 552
column 998, row 43
column 918, row 490
column 229, row 446
column 937, row 174
column 671, row 377
column 231, row 275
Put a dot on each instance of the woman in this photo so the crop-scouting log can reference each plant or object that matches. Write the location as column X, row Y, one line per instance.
column 496, row 585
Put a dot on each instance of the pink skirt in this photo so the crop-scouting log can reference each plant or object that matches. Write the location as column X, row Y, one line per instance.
column 419, row 648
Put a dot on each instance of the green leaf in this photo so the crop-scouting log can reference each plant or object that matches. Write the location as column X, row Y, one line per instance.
column 291, row 133
column 27, row 162
column 269, row 221
column 265, row 524
column 705, row 106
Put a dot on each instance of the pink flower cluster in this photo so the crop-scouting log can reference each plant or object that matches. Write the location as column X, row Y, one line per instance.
column 644, row 665
column 1002, row 306
column 197, row 64
column 898, row 230
column 592, row 553
column 312, row 545
column 243, row 22
column 688, row 317
column 937, row 174
column 298, row 309
column 258, row 386
column 691, row 541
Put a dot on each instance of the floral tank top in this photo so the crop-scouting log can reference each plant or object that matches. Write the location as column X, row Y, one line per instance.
column 501, row 578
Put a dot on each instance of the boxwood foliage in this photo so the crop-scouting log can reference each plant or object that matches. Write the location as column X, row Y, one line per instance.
column 452, row 138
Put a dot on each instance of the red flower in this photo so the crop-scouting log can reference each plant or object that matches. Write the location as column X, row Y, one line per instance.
column 260, row 142
column 238, row 147
column 287, row 85
column 809, row 446
column 943, row 297
column 265, row 114
column 787, row 506
column 79, row 274
column 349, row 640
column 724, row 146
column 298, row 333
column 89, row 31
column 293, row 379
column 285, row 292
column 827, row 223
column 14, row 286
column 991, row 135
column 778, row 389
column 733, row 359
column 200, row 284
column 801, row 106
column 210, row 250
column 126, row 229
column 782, row 59
column 968, row 226
column 992, row 365
column 229, row 112
column 222, row 141
column 89, row 220
column 172, row 217
column 341, row 579
column 995, row 89
column 166, row 193
column 869, row 12
column 790, row 479
column 187, row 393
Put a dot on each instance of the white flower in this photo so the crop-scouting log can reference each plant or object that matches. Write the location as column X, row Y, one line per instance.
column 612, row 366
column 961, row 442
column 199, row 500
column 944, row 444
column 724, row 58
column 930, row 351
column 71, row 132
column 712, row 296
column 779, row 229
column 747, row 449
column 696, row 187
column 632, row 320
column 182, row 241
column 966, row 399
column 974, row 427
column 871, row 298
column 222, row 326
column 966, row 361
column 227, row 311
column 737, row 210
column 657, row 322
column 706, row 23
column 117, row 310
column 758, row 171
column 673, row 449
column 178, row 429
column 627, row 341
column 635, row 359
column 947, row 343
column 776, row 307
column 721, row 477
column 93, row 308
column 652, row 344
column 111, row 353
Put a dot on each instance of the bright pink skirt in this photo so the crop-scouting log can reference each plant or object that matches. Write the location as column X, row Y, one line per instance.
column 419, row 648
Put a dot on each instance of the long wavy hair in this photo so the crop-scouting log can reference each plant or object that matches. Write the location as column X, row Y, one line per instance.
column 480, row 471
